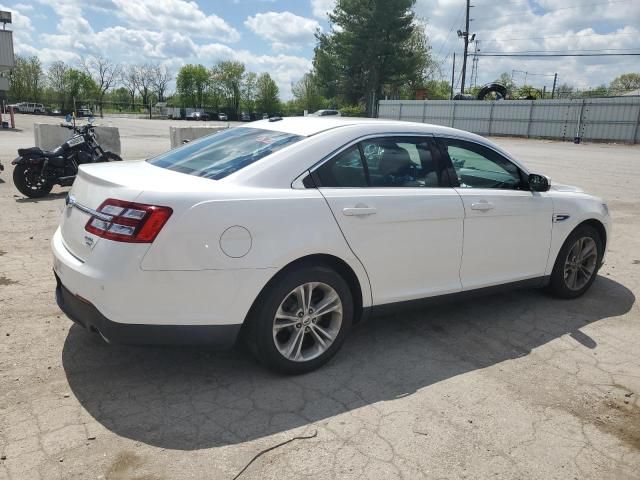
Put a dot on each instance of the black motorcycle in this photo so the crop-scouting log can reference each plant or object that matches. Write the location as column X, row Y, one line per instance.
column 37, row 171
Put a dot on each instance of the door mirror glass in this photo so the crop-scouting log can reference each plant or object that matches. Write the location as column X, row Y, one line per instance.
column 67, row 118
column 538, row 183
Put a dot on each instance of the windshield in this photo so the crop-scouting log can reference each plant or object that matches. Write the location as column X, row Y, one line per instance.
column 225, row 152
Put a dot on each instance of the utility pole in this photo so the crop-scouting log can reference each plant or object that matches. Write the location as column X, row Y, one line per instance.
column 453, row 73
column 553, row 89
column 465, row 36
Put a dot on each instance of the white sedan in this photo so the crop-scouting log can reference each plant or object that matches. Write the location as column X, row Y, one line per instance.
column 287, row 232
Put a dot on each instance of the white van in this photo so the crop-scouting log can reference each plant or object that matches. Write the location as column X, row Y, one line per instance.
column 26, row 107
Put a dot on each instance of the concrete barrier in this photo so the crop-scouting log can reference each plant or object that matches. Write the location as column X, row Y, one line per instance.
column 49, row 136
column 179, row 134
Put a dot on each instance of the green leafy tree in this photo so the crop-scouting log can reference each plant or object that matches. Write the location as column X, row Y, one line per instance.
column 506, row 80
column 625, row 82
column 267, row 100
column 228, row 76
column 56, row 75
column 371, row 43
column 248, row 92
column 438, row 90
column 306, row 93
column 79, row 87
column 27, row 80
column 192, row 83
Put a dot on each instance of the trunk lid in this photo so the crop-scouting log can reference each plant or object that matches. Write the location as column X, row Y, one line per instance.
column 119, row 180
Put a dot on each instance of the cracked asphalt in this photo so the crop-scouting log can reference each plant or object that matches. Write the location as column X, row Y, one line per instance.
column 514, row 385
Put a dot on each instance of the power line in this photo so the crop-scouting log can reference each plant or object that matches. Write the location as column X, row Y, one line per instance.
column 449, row 34
column 538, row 55
column 576, row 35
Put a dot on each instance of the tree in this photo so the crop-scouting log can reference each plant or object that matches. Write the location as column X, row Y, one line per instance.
column 56, row 79
column 438, row 89
column 626, row 82
column 267, row 99
column 506, row 80
column 192, row 83
column 371, row 43
column 129, row 79
column 307, row 93
column 160, row 80
column 26, row 80
column 145, row 75
column 248, row 92
column 227, row 75
column 564, row 91
column 79, row 86
column 104, row 73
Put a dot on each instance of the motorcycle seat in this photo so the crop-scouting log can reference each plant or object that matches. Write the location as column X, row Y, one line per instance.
column 36, row 152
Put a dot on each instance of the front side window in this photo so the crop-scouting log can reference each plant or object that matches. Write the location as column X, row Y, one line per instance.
column 223, row 153
column 400, row 162
column 477, row 166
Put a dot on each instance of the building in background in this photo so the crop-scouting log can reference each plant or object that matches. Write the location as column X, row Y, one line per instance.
column 7, row 57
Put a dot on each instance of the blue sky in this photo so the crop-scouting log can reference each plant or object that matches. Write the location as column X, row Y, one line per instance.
column 277, row 35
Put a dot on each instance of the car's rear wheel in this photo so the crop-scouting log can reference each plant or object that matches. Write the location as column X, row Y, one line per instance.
column 577, row 264
column 301, row 321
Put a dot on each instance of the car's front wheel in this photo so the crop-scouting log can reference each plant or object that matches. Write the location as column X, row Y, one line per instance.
column 578, row 262
column 301, row 321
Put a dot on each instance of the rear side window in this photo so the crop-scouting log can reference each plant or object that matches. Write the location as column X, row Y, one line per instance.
column 223, row 153
column 344, row 170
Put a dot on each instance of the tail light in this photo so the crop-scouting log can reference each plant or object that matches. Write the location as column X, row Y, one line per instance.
column 128, row 222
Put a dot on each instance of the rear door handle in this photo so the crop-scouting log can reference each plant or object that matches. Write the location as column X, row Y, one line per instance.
column 358, row 211
column 482, row 206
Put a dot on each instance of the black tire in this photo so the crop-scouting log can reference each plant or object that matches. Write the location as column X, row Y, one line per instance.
column 558, row 286
column 109, row 157
column 27, row 180
column 259, row 334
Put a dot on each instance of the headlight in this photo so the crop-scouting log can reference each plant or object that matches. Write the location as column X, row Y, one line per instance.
column 605, row 209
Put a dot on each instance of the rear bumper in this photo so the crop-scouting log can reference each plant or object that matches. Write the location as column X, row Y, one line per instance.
column 87, row 315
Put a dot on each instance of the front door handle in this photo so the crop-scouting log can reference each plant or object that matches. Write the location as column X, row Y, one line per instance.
column 358, row 211
column 482, row 205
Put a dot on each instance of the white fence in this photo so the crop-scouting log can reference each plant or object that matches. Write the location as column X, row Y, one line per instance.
column 614, row 119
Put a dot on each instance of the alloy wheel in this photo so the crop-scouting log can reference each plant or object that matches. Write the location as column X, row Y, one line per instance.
column 307, row 321
column 580, row 264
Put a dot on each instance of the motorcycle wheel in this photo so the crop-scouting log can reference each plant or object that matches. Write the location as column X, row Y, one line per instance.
column 109, row 157
column 28, row 180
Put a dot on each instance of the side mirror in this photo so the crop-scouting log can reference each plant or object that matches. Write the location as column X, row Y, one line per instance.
column 67, row 118
column 538, row 183
column 90, row 120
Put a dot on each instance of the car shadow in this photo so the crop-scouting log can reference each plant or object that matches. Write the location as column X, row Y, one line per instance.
column 190, row 398
column 48, row 198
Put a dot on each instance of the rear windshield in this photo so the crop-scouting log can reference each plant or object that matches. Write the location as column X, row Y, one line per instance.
column 225, row 152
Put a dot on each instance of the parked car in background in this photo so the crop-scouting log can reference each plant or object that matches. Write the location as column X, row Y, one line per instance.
column 198, row 116
column 26, row 107
column 55, row 111
column 84, row 112
column 326, row 113
column 290, row 230
column 245, row 117
column 223, row 117
column 265, row 116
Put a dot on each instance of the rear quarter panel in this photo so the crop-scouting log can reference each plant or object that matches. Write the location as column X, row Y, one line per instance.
column 284, row 224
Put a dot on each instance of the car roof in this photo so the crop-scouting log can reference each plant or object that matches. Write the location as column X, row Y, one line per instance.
column 312, row 125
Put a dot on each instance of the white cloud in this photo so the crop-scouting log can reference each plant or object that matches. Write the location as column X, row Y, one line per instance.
column 284, row 30
column 21, row 26
column 175, row 15
column 519, row 26
column 320, row 8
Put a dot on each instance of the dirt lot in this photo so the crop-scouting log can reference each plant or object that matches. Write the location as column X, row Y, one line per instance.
column 516, row 385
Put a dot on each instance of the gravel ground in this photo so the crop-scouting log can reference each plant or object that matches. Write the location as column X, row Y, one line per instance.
column 515, row 385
